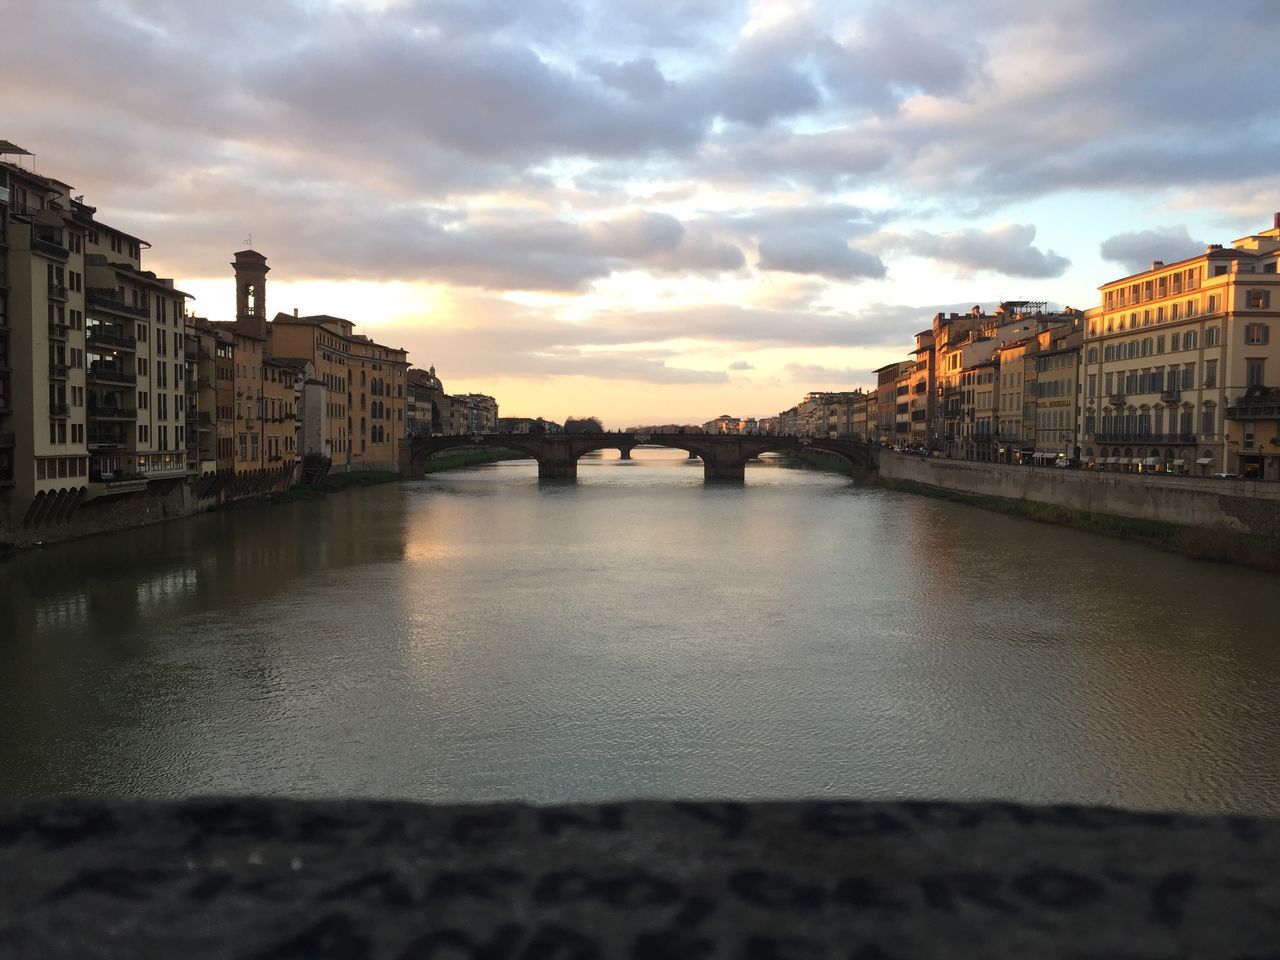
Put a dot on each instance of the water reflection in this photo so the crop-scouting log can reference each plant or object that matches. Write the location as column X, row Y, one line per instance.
column 479, row 635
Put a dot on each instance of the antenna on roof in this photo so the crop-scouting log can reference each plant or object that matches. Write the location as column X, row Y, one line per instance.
column 249, row 242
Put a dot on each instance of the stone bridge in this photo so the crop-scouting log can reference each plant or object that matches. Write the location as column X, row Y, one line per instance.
column 723, row 457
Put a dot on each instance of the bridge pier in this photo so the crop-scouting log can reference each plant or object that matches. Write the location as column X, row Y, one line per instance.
column 557, row 468
column 724, row 471
column 624, row 453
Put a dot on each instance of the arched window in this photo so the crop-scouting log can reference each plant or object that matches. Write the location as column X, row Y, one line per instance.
column 362, row 427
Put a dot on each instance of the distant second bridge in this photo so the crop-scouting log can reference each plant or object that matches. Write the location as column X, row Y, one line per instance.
column 724, row 457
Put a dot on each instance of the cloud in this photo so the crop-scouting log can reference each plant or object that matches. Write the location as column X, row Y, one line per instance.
column 1006, row 249
column 827, row 256
column 1137, row 249
column 640, row 79
column 740, row 365
column 817, row 375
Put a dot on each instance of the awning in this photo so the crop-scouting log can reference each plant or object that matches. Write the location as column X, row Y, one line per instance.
column 1150, row 461
column 1109, row 460
column 1203, row 460
column 1177, row 463
column 1122, row 459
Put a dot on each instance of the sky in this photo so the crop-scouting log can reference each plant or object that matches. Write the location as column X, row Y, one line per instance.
column 652, row 211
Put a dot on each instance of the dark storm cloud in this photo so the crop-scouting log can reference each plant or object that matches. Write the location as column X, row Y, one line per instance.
column 1135, row 251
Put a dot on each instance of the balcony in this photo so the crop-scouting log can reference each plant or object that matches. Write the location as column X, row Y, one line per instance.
column 1254, row 411
column 1116, row 399
column 59, row 371
column 117, row 305
column 105, row 439
column 1121, row 436
column 102, row 374
column 112, row 412
column 6, row 441
column 59, row 411
column 119, row 482
column 50, row 248
column 97, row 337
column 58, row 331
column 1170, row 396
column 57, row 291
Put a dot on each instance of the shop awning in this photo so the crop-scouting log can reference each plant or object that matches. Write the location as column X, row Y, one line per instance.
column 1203, row 460
column 1177, row 463
column 1150, row 461
column 1109, row 460
column 1122, row 459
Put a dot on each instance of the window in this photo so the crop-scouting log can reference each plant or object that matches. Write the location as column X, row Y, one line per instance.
column 1259, row 299
column 1212, row 306
column 1254, row 371
column 1208, row 422
column 1160, row 344
column 1188, row 376
column 1189, row 340
column 1211, row 373
column 1212, row 336
column 1255, row 334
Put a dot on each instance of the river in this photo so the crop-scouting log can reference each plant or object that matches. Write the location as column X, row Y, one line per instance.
column 477, row 635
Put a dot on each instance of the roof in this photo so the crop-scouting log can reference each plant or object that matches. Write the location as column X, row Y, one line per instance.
column 293, row 363
column 13, row 149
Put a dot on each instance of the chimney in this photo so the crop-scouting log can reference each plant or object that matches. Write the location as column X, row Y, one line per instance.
column 1276, row 222
column 1157, row 264
column 295, row 311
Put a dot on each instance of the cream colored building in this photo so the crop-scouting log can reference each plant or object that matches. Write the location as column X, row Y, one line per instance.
column 94, row 403
column 1056, row 394
column 1169, row 349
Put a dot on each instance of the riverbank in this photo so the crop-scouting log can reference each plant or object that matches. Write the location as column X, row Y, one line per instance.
column 1219, row 546
column 470, row 458
column 333, row 483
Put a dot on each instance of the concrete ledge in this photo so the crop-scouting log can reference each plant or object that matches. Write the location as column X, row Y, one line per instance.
column 873, row 881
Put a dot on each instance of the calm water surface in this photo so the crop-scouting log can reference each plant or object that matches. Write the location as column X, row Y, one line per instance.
column 478, row 635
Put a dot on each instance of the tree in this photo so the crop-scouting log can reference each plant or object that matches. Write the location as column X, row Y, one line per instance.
column 583, row 425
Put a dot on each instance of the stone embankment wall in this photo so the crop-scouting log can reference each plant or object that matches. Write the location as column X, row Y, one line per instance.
column 71, row 513
column 1243, row 506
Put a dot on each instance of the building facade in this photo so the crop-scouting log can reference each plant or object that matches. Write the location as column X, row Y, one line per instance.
column 1170, row 349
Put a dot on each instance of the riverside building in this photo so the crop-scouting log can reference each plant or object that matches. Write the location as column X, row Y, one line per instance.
column 1170, row 349
column 93, row 398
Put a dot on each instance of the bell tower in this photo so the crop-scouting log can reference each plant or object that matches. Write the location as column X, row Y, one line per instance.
column 251, row 291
